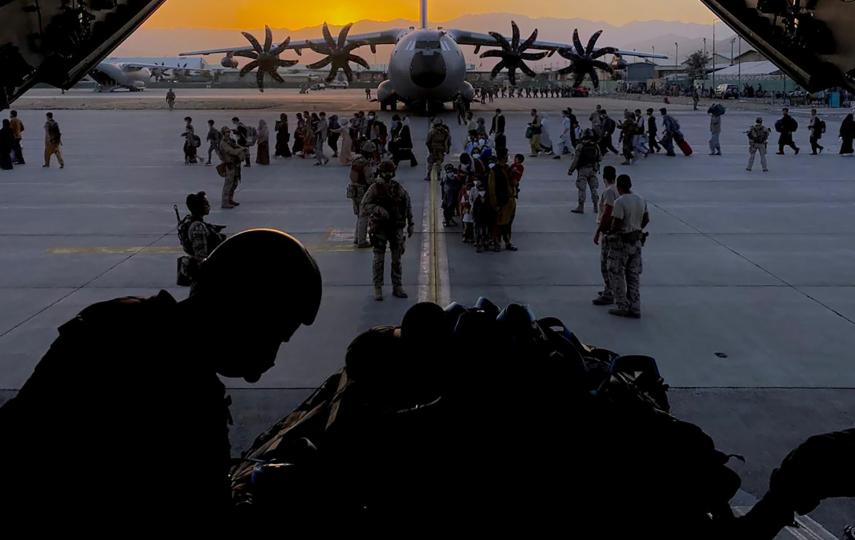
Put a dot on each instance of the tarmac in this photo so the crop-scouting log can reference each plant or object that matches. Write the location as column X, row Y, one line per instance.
column 748, row 294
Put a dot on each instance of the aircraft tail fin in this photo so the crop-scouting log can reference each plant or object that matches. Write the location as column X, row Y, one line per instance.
column 423, row 14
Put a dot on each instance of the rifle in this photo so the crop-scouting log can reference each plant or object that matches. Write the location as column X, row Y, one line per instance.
column 177, row 215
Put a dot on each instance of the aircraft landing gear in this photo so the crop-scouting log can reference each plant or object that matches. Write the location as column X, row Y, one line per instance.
column 390, row 104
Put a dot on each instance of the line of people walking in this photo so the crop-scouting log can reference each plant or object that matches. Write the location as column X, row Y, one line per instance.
column 12, row 137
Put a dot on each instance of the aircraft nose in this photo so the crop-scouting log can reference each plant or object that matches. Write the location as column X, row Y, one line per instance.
column 428, row 69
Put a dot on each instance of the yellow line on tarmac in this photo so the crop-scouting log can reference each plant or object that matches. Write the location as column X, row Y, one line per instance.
column 433, row 274
column 327, row 247
column 113, row 250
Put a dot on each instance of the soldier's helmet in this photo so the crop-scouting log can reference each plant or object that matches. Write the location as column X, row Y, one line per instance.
column 450, row 168
column 264, row 266
column 368, row 147
column 386, row 170
column 588, row 134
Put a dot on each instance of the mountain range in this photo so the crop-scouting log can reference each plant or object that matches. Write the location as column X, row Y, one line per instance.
column 644, row 36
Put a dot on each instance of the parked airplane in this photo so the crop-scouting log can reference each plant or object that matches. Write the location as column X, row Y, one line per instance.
column 427, row 67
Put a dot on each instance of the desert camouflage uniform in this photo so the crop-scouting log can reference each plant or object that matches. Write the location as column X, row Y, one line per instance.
column 587, row 175
column 438, row 143
column 233, row 156
column 624, row 261
column 388, row 208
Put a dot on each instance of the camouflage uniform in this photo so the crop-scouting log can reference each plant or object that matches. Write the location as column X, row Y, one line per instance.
column 624, row 263
column 233, row 156
column 758, row 137
column 587, row 163
column 203, row 238
column 439, row 143
column 387, row 206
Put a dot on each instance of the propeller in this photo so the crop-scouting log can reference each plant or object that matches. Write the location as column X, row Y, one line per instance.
column 585, row 59
column 338, row 53
column 513, row 55
column 265, row 59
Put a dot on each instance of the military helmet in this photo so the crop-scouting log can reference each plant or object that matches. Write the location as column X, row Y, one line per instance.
column 368, row 147
column 450, row 168
column 386, row 169
column 588, row 134
column 264, row 264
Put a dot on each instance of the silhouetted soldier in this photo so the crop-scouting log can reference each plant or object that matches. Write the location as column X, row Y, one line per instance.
column 125, row 416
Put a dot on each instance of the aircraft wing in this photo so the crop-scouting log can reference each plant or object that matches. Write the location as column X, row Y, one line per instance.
column 372, row 39
column 465, row 37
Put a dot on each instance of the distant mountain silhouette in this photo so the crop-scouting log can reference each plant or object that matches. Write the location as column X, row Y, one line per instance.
column 641, row 35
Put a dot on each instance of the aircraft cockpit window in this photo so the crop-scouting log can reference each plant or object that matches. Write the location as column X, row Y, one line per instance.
column 427, row 44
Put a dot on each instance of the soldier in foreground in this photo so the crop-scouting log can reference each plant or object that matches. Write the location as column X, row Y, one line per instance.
column 125, row 417
column 629, row 218
column 198, row 238
column 387, row 206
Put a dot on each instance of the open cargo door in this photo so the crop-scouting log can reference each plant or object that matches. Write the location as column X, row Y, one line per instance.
column 59, row 41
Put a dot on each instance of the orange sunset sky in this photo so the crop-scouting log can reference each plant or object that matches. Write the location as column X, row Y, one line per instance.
column 298, row 14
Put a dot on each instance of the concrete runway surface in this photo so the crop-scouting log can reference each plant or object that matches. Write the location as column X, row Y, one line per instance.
column 748, row 291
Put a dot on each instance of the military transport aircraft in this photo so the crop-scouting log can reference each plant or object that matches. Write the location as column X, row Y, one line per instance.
column 427, row 67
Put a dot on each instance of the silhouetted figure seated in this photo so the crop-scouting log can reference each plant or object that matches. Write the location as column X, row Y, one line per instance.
column 125, row 417
column 489, row 420
column 822, row 467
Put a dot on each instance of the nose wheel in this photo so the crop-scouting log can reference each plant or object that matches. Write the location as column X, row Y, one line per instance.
column 390, row 104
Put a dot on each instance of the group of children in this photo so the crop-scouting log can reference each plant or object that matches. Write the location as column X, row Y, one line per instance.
column 482, row 190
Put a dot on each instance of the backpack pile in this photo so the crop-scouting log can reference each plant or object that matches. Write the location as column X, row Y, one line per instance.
column 484, row 419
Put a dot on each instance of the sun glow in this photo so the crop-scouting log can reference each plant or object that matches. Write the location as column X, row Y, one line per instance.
column 254, row 14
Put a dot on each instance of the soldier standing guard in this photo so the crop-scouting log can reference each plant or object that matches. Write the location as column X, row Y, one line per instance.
column 587, row 163
column 758, row 137
column 233, row 157
column 387, row 206
column 629, row 218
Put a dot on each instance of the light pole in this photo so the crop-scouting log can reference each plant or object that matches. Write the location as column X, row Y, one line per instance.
column 676, row 54
column 739, row 69
column 713, row 55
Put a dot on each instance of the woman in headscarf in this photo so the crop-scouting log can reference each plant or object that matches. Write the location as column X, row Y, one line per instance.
column 847, row 135
column 282, row 137
column 6, row 143
column 403, row 142
column 263, row 152
column 309, row 135
column 343, row 131
column 297, row 149
column 545, row 139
